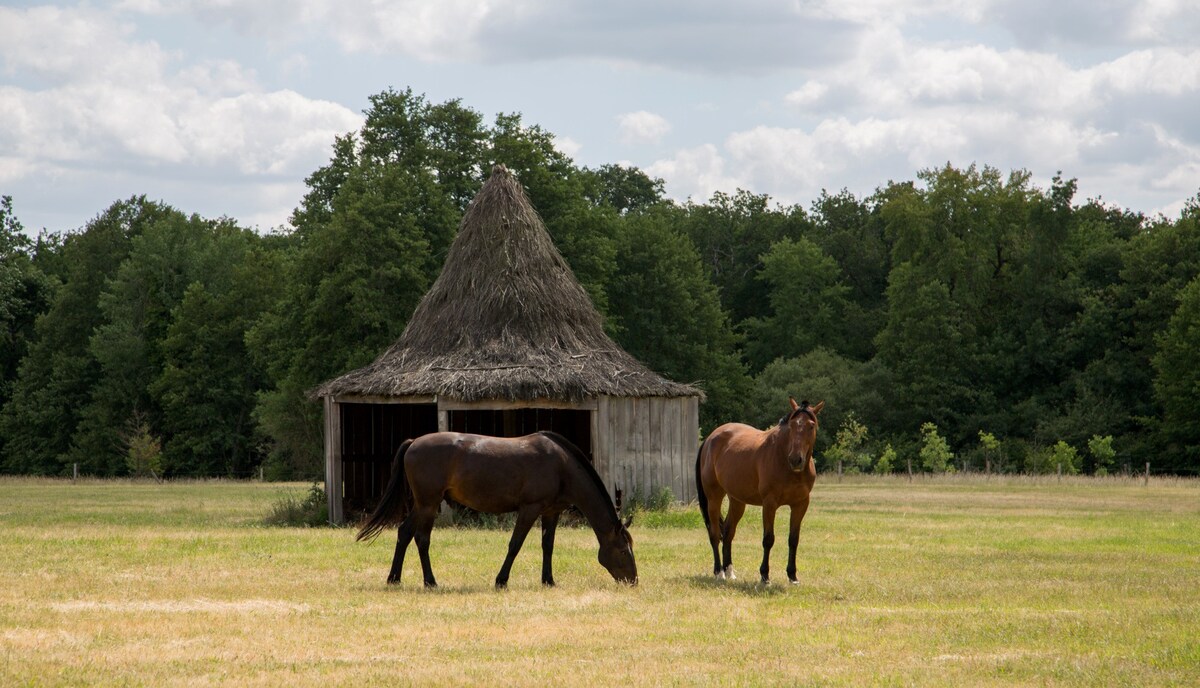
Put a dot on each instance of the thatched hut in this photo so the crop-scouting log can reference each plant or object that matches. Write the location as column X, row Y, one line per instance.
column 506, row 342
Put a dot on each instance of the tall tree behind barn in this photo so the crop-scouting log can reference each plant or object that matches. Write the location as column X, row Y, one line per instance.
column 506, row 342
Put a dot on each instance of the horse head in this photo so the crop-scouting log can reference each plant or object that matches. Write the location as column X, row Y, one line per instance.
column 616, row 555
column 801, row 426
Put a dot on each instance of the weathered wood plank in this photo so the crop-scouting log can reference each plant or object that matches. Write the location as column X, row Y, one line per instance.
column 334, row 482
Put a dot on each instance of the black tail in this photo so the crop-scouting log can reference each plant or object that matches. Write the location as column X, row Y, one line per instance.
column 700, row 496
column 396, row 501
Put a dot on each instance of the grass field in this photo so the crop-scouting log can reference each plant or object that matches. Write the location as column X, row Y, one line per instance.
column 956, row 582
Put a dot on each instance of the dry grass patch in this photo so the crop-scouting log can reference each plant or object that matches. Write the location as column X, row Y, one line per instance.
column 929, row 583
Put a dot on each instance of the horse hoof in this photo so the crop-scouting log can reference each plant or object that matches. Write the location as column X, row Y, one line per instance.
column 431, row 584
column 766, row 581
column 794, row 582
column 729, row 575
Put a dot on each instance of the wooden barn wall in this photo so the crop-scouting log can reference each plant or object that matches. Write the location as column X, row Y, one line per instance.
column 643, row 444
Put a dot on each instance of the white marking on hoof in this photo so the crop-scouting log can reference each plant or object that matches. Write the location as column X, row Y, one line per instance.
column 719, row 575
column 729, row 575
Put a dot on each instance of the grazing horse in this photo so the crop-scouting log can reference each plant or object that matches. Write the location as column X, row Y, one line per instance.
column 768, row 468
column 537, row 475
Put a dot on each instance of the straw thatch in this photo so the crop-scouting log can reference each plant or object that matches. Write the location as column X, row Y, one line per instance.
column 505, row 320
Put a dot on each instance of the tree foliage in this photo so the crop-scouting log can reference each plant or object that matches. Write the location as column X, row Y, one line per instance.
column 943, row 313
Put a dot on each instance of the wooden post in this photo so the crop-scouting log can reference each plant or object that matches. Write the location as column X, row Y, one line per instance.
column 1060, row 471
column 75, row 473
column 839, row 470
column 909, row 459
column 334, row 481
column 260, row 474
column 1147, row 480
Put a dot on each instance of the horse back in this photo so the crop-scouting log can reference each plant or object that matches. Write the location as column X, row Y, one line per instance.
column 488, row 474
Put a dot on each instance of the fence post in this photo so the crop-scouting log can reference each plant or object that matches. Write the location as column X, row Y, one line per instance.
column 1060, row 471
column 75, row 473
column 909, row 460
column 839, row 470
column 260, row 474
column 1147, row 479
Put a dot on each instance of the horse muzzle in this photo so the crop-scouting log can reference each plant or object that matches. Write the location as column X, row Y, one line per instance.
column 799, row 464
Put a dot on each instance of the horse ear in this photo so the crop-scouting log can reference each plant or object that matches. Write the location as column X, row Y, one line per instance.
column 618, row 502
column 820, row 405
column 792, row 401
column 628, row 521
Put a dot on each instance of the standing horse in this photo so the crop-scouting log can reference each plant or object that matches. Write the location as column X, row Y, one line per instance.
column 768, row 468
column 537, row 475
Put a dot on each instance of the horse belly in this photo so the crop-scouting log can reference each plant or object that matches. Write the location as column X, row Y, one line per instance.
column 485, row 497
column 505, row 485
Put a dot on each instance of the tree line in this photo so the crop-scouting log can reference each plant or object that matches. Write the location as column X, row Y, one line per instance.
column 966, row 319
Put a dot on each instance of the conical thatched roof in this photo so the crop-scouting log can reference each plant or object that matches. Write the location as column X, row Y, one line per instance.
column 505, row 320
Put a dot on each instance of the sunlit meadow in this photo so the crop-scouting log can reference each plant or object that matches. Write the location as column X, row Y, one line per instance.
column 957, row 581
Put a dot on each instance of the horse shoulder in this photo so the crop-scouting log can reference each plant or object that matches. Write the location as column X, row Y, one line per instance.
column 742, row 439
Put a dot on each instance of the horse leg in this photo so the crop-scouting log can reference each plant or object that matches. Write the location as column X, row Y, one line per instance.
column 549, row 525
column 424, row 518
column 736, row 509
column 715, row 522
column 794, row 538
column 768, row 514
column 404, row 535
column 525, row 518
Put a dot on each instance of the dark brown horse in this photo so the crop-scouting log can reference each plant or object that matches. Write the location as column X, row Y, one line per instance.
column 767, row 468
column 537, row 475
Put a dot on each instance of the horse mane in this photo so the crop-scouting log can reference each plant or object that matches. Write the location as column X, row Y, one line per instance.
column 586, row 465
column 804, row 407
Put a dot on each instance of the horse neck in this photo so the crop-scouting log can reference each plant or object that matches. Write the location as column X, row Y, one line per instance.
column 777, row 441
column 591, row 501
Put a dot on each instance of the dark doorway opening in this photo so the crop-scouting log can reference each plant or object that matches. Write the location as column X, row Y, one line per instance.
column 371, row 434
column 575, row 425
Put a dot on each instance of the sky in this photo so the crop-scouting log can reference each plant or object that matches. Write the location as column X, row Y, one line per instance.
column 223, row 107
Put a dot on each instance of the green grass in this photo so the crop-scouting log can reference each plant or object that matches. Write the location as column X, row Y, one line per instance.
column 935, row 582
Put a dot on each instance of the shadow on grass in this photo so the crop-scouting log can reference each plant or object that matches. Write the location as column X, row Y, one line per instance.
column 750, row 586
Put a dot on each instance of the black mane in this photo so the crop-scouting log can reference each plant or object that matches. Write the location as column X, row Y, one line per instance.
column 587, row 466
column 803, row 407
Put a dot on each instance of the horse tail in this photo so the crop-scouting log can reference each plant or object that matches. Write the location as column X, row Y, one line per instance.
column 700, row 496
column 396, row 501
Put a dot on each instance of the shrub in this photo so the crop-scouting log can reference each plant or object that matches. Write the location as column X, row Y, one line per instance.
column 848, row 446
column 143, row 451
column 1046, row 460
column 1102, row 453
column 311, row 511
column 887, row 460
column 935, row 451
column 660, row 499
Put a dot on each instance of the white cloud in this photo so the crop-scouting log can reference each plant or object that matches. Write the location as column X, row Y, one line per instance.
column 108, row 99
column 808, row 94
column 694, row 173
column 706, row 37
column 73, row 45
column 642, row 127
column 567, row 146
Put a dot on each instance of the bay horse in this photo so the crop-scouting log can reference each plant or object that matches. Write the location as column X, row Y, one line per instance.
column 537, row 475
column 767, row 468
